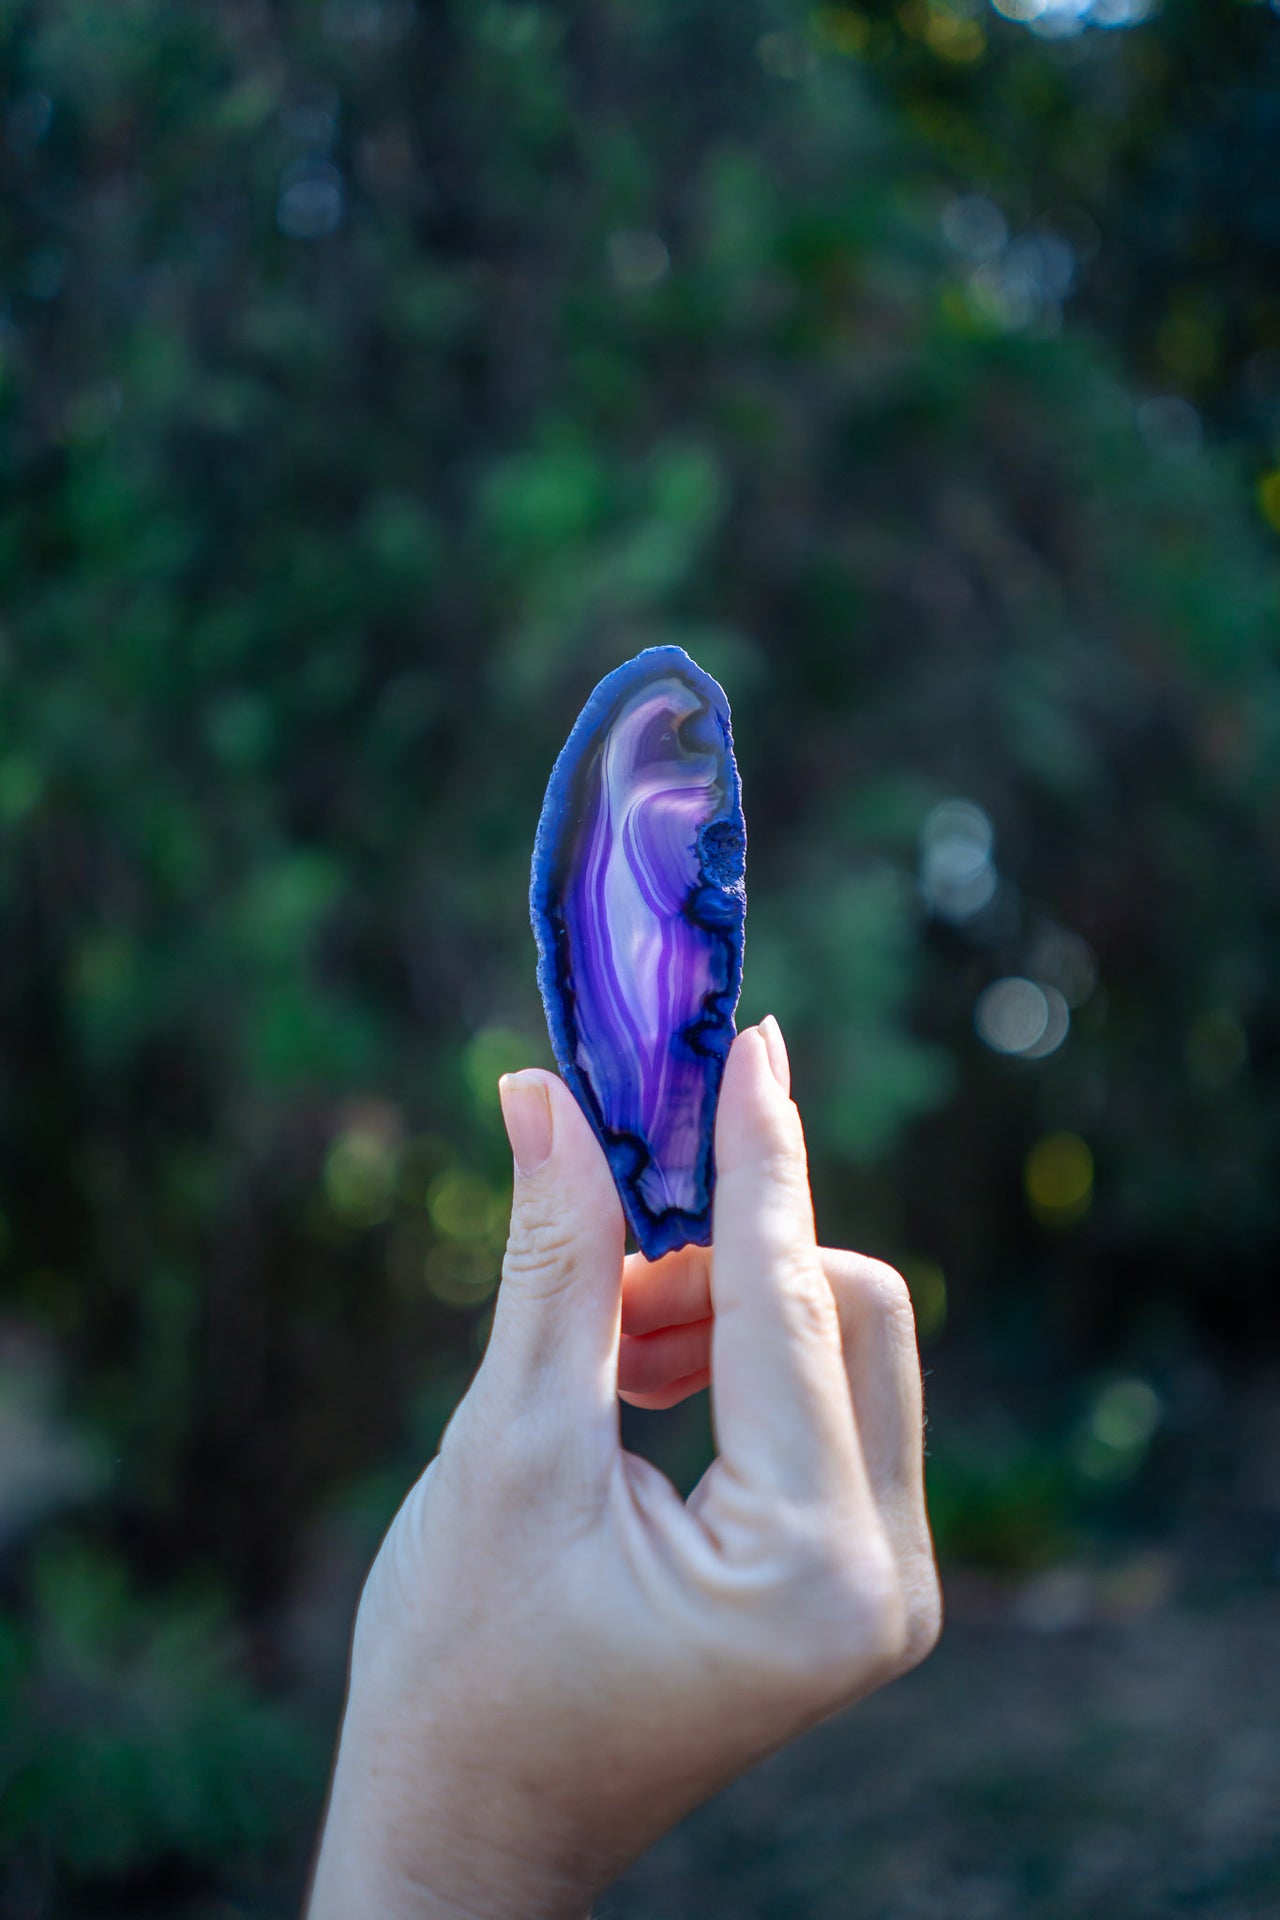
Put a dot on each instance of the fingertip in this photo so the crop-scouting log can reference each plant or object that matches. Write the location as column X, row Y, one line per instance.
column 564, row 1196
column 756, row 1116
column 527, row 1116
column 670, row 1396
column 749, row 1052
column 569, row 1148
column 748, row 1075
column 776, row 1048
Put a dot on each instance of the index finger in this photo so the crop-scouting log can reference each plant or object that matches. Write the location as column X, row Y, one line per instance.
column 780, row 1395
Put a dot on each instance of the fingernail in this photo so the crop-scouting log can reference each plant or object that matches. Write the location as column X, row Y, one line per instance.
column 776, row 1048
column 526, row 1113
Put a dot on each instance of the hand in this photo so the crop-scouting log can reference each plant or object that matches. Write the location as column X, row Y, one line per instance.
column 555, row 1657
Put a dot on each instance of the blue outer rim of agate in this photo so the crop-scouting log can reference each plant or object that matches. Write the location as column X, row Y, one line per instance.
column 655, row 1234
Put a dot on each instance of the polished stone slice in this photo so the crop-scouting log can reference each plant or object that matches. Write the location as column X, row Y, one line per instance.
column 638, row 906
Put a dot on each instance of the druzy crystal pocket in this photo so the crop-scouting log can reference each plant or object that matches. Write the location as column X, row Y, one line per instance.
column 638, row 907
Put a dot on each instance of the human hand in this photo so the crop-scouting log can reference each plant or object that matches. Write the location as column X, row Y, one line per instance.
column 555, row 1657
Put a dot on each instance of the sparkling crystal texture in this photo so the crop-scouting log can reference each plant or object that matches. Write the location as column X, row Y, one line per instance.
column 638, row 905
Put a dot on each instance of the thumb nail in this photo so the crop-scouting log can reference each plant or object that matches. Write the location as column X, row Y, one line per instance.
column 526, row 1113
column 776, row 1048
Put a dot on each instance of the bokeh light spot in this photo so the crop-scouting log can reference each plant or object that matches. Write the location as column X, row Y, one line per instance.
column 1118, row 1430
column 460, row 1276
column 1058, row 19
column 928, row 1286
column 360, row 1171
column 311, row 199
column 637, row 259
column 975, row 227
column 843, row 30
column 954, row 36
column 1011, row 1015
column 1058, row 1179
column 1056, row 1028
column 957, row 870
column 464, row 1207
column 1269, row 498
column 1121, row 13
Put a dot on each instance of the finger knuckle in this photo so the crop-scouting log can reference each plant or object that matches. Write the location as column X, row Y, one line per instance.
column 923, row 1615
column 885, row 1291
column 846, row 1608
column 893, row 1618
column 810, row 1304
column 541, row 1254
column 869, row 1591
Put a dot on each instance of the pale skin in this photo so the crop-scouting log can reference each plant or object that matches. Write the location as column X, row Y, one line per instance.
column 555, row 1656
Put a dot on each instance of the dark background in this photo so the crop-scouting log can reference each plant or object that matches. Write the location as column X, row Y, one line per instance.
column 372, row 379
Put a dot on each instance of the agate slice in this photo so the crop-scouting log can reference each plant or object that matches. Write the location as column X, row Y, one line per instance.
column 638, row 906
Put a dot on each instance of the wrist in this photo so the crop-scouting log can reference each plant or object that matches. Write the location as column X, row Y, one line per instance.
column 403, row 1842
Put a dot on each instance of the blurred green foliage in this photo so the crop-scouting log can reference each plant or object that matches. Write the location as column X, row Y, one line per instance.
column 375, row 377
column 129, row 1737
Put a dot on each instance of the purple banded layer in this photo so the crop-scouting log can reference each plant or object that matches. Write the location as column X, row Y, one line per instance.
column 638, row 906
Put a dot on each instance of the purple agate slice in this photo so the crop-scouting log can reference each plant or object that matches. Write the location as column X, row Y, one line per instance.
column 638, row 906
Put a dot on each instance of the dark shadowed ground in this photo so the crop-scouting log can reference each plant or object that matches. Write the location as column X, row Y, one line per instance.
column 1125, row 1768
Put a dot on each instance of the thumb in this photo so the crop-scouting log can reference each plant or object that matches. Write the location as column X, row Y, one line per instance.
column 556, row 1322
